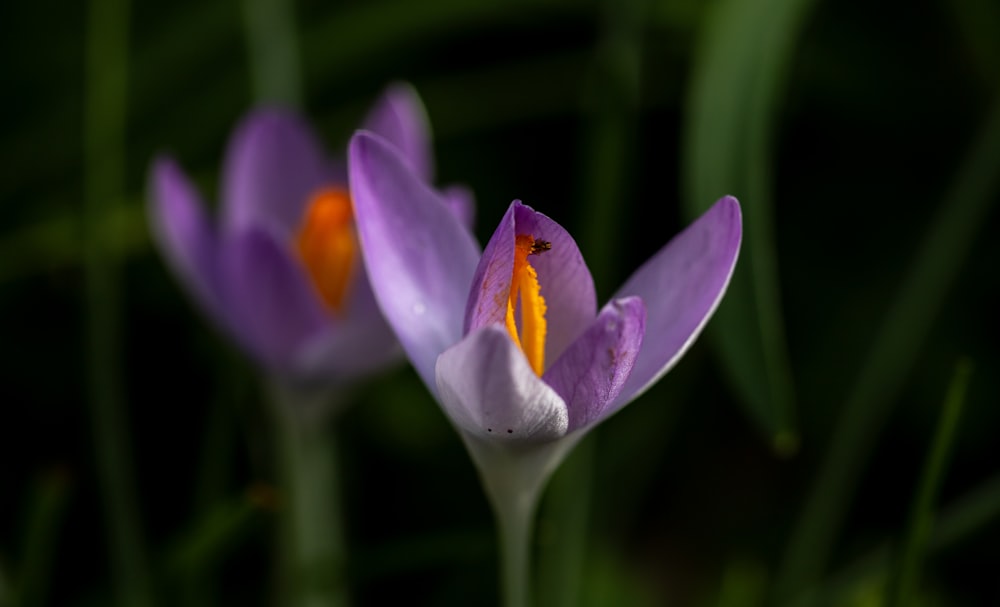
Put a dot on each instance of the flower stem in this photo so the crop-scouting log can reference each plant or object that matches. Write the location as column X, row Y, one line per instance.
column 515, row 517
column 274, row 51
column 312, row 535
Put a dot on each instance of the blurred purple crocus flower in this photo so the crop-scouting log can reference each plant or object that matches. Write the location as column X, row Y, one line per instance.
column 511, row 342
column 280, row 271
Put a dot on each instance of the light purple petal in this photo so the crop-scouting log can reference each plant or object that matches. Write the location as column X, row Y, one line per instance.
column 681, row 286
column 186, row 236
column 274, row 165
column 488, row 389
column 490, row 290
column 591, row 373
column 399, row 116
column 359, row 340
column 420, row 259
column 277, row 306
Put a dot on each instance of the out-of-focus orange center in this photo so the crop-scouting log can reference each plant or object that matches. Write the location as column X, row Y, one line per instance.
column 524, row 285
column 328, row 245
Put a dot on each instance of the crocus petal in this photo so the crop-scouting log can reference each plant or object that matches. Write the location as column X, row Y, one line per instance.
column 273, row 166
column 359, row 340
column 275, row 303
column 681, row 286
column 488, row 389
column 399, row 117
column 419, row 257
column 186, row 235
column 592, row 371
column 490, row 290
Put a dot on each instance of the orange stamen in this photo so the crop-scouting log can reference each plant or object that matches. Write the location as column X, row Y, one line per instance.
column 524, row 285
column 328, row 245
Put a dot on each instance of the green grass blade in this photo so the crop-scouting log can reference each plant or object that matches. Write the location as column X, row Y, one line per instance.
column 949, row 236
column 903, row 580
column 740, row 66
column 104, row 182
column 959, row 521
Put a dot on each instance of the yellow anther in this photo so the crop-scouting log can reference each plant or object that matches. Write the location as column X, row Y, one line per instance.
column 524, row 285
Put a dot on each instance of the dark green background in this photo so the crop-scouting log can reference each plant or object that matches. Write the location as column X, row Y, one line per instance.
column 881, row 105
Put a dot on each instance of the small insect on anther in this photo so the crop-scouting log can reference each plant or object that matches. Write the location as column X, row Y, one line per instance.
column 539, row 246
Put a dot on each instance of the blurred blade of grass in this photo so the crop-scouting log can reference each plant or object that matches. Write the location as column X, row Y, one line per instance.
column 55, row 244
column 744, row 584
column 218, row 532
column 613, row 580
column 740, row 68
column 161, row 62
column 7, row 596
column 978, row 22
column 104, row 117
column 611, row 105
column 447, row 549
column 959, row 521
column 45, row 511
column 274, row 51
column 366, row 31
column 903, row 579
column 928, row 279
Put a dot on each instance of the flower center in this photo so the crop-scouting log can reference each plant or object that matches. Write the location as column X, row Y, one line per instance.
column 327, row 245
column 524, row 285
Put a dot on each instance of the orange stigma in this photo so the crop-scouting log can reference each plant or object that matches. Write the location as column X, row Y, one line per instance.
column 524, row 286
column 328, row 245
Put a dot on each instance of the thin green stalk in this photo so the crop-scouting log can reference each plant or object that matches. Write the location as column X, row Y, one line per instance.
column 104, row 183
column 959, row 521
column 45, row 514
column 312, row 533
column 903, row 582
column 566, row 513
column 274, row 51
column 741, row 68
column 949, row 236
column 516, row 518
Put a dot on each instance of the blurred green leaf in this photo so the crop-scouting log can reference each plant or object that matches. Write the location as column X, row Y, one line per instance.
column 903, row 581
column 739, row 72
column 978, row 22
column 744, row 584
column 45, row 512
column 961, row 520
column 104, row 127
column 611, row 580
column 217, row 532
column 928, row 280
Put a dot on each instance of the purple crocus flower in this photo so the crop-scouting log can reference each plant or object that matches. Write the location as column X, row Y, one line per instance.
column 280, row 271
column 511, row 342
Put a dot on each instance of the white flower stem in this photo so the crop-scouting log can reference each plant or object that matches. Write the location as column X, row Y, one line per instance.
column 513, row 476
column 516, row 519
